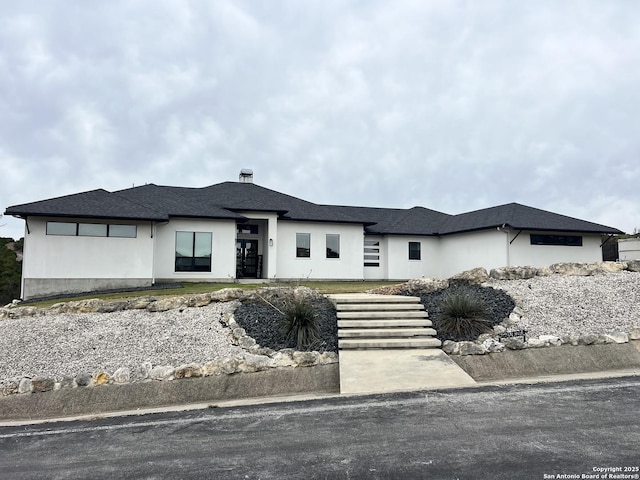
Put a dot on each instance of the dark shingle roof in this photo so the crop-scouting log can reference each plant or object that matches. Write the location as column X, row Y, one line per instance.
column 520, row 217
column 229, row 199
column 95, row 203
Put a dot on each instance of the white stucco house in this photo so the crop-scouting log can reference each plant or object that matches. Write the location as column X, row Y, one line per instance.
column 144, row 235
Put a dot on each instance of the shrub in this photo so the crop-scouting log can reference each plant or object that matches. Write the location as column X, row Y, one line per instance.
column 463, row 316
column 300, row 322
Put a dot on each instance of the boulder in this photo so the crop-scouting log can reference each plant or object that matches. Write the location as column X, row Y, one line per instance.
column 551, row 340
column 513, row 273
column 229, row 365
column 474, row 276
column 471, row 348
column 83, row 379
column 227, row 294
column 101, row 378
column 9, row 388
column 498, row 329
column 200, row 300
column 212, row 367
column 514, row 343
column 491, row 345
column 141, row 303
column 25, row 386
column 40, row 384
column 633, row 265
column 536, row 343
column 634, row 333
column 450, row 348
column 616, row 337
column 85, row 306
column 246, row 342
column 570, row 339
column 161, row 372
column 567, row 268
column 306, row 359
column 420, row 286
column 253, row 363
column 588, row 339
column 282, row 359
column 169, row 303
column 327, row 358
column 121, row 375
column 191, row 370
column 109, row 307
column 609, row 267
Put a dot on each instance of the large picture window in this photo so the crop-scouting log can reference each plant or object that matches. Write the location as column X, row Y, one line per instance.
column 193, row 251
column 564, row 240
column 333, row 245
column 303, row 245
column 414, row 250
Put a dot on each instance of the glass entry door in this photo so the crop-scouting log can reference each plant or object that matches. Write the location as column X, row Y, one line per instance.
column 246, row 258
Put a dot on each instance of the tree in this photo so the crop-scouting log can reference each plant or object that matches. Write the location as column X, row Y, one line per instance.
column 10, row 271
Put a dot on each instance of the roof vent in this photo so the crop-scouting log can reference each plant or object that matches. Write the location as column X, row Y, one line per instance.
column 246, row 176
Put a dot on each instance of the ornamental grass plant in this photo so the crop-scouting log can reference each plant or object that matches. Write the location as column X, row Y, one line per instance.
column 463, row 315
column 299, row 322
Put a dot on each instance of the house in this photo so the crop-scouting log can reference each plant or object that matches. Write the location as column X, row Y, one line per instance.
column 150, row 234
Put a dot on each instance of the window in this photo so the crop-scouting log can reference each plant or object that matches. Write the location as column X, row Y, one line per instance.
column 564, row 240
column 371, row 253
column 92, row 229
column 62, row 228
column 123, row 231
column 193, row 251
column 333, row 245
column 414, row 250
column 303, row 245
column 246, row 228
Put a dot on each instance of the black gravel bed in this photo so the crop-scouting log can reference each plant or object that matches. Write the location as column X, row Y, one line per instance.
column 498, row 304
column 262, row 322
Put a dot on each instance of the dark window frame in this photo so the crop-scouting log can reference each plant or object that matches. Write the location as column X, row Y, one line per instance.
column 556, row 240
column 78, row 225
column 330, row 252
column 302, row 251
column 415, row 253
column 193, row 263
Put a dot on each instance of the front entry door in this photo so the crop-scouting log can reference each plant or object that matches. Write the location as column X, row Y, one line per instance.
column 246, row 258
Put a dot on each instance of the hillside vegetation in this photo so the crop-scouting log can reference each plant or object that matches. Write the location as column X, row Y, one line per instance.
column 10, row 270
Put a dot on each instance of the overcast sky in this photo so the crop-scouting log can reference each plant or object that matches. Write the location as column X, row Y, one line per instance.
column 451, row 105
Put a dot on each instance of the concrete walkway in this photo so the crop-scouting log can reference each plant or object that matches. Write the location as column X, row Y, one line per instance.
column 382, row 371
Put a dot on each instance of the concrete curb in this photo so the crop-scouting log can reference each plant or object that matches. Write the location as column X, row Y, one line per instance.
column 548, row 361
column 111, row 398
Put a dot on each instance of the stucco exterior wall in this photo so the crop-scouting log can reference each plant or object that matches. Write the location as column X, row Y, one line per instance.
column 463, row 251
column 348, row 267
column 522, row 253
column 399, row 267
column 629, row 248
column 67, row 264
column 223, row 250
column 377, row 273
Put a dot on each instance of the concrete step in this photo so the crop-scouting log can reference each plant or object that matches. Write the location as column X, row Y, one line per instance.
column 385, row 332
column 378, row 315
column 385, row 323
column 367, row 343
column 381, row 307
column 343, row 298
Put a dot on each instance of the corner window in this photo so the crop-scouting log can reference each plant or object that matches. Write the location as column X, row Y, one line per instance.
column 564, row 240
column 193, row 251
column 303, row 245
column 333, row 245
column 414, row 250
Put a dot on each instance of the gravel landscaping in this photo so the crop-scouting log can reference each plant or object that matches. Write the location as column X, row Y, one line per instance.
column 58, row 345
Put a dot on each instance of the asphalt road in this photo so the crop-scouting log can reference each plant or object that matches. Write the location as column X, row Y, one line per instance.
column 514, row 432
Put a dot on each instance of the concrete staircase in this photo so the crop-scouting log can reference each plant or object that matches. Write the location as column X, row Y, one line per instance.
column 386, row 344
column 382, row 322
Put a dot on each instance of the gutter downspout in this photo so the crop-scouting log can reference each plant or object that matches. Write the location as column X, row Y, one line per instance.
column 504, row 229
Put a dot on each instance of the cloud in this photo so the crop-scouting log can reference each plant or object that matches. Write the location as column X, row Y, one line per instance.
column 447, row 104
